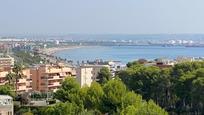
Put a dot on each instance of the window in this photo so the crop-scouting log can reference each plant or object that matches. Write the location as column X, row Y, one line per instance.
column 42, row 83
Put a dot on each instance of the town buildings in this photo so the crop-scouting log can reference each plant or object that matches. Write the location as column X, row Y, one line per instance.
column 116, row 66
column 3, row 74
column 86, row 73
column 39, row 78
column 6, row 64
column 184, row 59
column 6, row 61
column 6, row 105
column 49, row 77
column 24, row 84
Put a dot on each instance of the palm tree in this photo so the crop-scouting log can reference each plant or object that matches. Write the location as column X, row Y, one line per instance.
column 10, row 78
column 17, row 70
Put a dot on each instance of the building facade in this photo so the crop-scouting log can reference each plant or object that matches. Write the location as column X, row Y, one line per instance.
column 49, row 77
column 6, row 105
column 86, row 74
column 6, row 61
column 23, row 85
column 3, row 80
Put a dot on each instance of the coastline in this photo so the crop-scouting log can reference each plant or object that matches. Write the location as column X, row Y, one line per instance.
column 51, row 51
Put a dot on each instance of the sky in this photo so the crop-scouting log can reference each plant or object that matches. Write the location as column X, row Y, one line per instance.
column 101, row 16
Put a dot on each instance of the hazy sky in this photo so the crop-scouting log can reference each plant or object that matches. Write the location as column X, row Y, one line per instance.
column 101, row 16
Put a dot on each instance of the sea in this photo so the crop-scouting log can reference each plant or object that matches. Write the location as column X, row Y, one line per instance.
column 129, row 53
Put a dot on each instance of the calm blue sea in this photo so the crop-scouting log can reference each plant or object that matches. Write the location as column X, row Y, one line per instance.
column 129, row 53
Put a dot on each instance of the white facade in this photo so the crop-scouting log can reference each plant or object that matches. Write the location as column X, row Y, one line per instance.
column 6, row 61
column 86, row 74
column 6, row 105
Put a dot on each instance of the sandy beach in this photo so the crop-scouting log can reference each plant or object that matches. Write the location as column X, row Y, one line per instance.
column 51, row 51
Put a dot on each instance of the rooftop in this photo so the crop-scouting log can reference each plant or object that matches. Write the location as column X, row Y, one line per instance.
column 5, row 97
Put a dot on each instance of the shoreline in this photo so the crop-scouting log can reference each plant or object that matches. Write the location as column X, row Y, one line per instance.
column 51, row 51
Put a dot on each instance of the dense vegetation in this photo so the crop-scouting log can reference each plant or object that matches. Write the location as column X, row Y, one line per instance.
column 113, row 97
column 27, row 58
column 179, row 90
column 104, row 75
column 137, row 90
column 6, row 90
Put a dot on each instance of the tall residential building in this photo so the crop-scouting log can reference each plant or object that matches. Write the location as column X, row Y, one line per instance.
column 49, row 77
column 86, row 74
column 6, row 105
column 6, row 61
column 3, row 77
column 23, row 85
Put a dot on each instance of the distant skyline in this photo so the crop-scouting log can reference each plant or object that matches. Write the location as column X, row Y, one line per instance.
column 62, row 17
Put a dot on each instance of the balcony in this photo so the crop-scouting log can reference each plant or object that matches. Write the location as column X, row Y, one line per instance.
column 2, row 83
column 54, row 84
column 53, row 70
column 55, row 78
column 3, row 74
column 21, row 88
column 29, row 80
column 21, row 80
column 58, row 70
column 29, row 87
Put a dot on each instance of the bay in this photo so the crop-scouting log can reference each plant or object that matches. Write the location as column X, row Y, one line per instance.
column 128, row 53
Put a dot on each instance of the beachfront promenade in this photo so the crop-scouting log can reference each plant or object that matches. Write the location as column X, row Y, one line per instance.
column 47, row 54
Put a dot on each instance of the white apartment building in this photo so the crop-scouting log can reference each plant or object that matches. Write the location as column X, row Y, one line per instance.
column 6, row 105
column 6, row 61
column 86, row 74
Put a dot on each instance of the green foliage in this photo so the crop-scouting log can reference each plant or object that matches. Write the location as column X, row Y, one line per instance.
column 17, row 69
column 69, row 91
column 147, row 108
column 134, row 63
column 153, row 109
column 6, row 90
column 20, row 110
column 178, row 89
column 114, row 91
column 15, row 75
column 112, row 97
column 83, row 93
column 26, row 58
column 186, row 67
column 51, row 101
column 140, row 90
column 27, row 113
column 104, row 75
column 142, row 80
column 130, row 110
column 94, row 96
column 10, row 78
column 132, row 98
column 39, row 95
column 62, row 109
column 198, row 94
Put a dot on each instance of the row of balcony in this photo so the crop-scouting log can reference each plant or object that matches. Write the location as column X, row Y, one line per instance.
column 53, row 77
column 51, row 84
column 58, row 70
column 3, row 74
